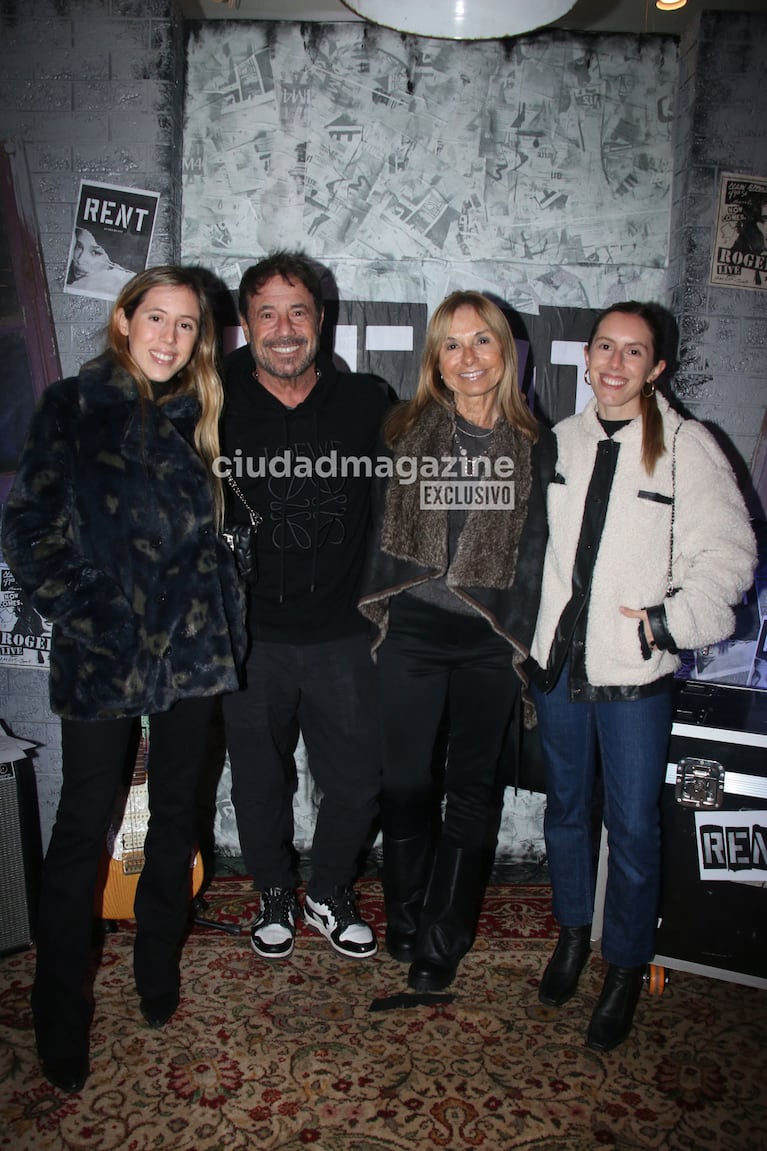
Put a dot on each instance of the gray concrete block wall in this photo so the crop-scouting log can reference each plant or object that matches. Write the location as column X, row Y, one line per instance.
column 94, row 90
column 721, row 128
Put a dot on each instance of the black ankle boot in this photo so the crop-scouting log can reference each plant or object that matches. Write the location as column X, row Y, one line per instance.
column 68, row 1073
column 62, row 1045
column 614, row 1012
column 560, row 979
column 158, row 1009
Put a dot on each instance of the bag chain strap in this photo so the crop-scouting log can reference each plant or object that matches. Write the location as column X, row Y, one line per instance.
column 256, row 519
column 671, row 590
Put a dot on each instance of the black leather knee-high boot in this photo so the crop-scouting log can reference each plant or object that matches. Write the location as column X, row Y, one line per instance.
column 406, row 864
column 449, row 916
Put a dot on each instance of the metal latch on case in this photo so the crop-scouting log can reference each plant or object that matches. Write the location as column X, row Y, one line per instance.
column 699, row 783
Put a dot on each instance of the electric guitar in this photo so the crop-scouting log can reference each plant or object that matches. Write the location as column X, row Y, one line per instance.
column 124, row 856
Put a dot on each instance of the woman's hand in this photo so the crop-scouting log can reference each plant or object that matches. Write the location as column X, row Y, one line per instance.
column 641, row 614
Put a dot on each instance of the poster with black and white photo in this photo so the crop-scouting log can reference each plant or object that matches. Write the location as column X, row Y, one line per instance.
column 110, row 240
column 739, row 259
column 25, row 637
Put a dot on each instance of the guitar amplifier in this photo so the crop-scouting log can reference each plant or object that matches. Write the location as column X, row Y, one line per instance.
column 20, row 855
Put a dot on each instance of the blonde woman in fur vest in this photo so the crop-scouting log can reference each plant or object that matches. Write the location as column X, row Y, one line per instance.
column 452, row 593
column 650, row 544
column 112, row 529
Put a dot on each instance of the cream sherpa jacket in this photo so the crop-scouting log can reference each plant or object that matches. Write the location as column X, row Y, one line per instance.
column 714, row 550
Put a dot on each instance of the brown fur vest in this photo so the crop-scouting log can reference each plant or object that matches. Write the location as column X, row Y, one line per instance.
column 410, row 543
column 487, row 553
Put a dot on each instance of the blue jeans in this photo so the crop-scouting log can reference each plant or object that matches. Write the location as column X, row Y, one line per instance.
column 632, row 738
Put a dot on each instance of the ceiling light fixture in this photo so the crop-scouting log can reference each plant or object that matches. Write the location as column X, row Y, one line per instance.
column 461, row 19
column 669, row 5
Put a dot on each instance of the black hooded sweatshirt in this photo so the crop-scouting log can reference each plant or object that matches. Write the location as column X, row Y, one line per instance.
column 311, row 544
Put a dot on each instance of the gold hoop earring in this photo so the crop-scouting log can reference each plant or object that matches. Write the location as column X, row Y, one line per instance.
column 651, row 392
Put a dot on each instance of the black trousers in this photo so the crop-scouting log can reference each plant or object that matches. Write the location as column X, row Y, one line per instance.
column 432, row 659
column 327, row 691
column 94, row 762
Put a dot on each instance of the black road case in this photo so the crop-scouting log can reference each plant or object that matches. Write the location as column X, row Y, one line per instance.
column 713, row 906
column 713, row 828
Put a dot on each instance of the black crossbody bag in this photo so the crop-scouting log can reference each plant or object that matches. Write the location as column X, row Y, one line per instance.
column 241, row 538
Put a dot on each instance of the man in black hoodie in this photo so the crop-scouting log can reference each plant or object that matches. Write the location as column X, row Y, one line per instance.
column 290, row 422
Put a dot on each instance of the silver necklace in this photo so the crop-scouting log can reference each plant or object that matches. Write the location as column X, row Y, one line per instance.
column 469, row 463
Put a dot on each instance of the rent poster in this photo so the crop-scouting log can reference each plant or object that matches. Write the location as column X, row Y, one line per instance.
column 110, row 240
column 739, row 259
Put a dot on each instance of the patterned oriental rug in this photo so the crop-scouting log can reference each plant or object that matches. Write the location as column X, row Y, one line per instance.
column 324, row 1052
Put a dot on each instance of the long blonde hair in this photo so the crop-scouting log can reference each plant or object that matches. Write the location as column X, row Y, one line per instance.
column 432, row 390
column 199, row 377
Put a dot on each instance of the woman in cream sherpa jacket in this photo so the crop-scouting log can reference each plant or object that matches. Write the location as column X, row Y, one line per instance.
column 650, row 546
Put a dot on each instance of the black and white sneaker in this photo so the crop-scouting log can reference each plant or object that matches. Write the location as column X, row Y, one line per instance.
column 273, row 935
column 337, row 917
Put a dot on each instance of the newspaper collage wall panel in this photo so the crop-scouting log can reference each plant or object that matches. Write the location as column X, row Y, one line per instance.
column 538, row 171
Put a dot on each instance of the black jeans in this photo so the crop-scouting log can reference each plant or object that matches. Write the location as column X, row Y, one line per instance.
column 432, row 658
column 328, row 692
column 94, row 762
